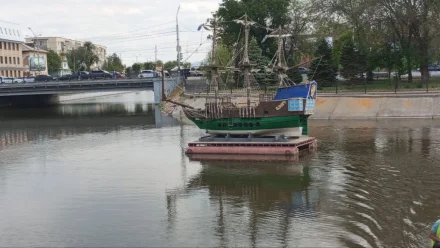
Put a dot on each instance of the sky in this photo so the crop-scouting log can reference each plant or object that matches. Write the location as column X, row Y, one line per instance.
column 130, row 28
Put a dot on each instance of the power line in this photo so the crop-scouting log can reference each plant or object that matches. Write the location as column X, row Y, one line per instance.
column 125, row 33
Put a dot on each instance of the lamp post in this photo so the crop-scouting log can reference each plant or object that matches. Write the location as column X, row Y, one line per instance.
column 178, row 48
column 35, row 51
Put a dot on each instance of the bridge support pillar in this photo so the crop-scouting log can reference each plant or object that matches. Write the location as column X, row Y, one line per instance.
column 157, row 91
column 170, row 85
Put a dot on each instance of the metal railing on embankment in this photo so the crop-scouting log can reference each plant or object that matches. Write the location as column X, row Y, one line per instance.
column 337, row 87
column 385, row 86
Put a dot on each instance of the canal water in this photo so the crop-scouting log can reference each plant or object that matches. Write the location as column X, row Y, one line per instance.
column 111, row 172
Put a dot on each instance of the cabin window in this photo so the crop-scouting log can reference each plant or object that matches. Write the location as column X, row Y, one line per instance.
column 257, row 124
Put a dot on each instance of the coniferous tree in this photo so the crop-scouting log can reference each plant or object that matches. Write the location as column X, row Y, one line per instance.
column 348, row 60
column 323, row 69
column 294, row 74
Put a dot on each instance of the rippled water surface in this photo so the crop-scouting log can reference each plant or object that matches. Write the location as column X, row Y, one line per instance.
column 111, row 172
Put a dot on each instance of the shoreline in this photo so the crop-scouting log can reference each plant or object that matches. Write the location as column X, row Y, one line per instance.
column 417, row 105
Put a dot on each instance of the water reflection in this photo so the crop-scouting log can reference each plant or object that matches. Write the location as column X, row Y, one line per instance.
column 250, row 195
column 18, row 126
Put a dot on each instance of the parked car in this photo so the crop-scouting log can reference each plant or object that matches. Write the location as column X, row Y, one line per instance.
column 147, row 74
column 6, row 80
column 100, row 74
column 43, row 78
column 29, row 79
column 18, row 80
column 117, row 74
column 75, row 76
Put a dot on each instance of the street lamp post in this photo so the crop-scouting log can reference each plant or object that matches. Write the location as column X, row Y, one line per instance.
column 35, row 51
column 178, row 48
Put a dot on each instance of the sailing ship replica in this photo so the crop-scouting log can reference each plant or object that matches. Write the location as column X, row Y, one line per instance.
column 284, row 113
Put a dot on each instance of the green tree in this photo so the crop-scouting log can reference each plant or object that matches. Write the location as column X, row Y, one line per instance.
column 113, row 63
column 53, row 61
column 148, row 66
column 82, row 57
column 170, row 65
column 89, row 56
column 322, row 68
column 173, row 64
column 273, row 13
column 136, row 67
column 256, row 55
column 348, row 59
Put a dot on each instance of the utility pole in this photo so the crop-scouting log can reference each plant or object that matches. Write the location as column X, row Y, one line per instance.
column 155, row 55
column 178, row 48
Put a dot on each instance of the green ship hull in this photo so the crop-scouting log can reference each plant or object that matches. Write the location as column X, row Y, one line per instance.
column 291, row 125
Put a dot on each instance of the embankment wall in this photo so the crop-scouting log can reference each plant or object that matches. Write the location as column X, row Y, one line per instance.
column 376, row 107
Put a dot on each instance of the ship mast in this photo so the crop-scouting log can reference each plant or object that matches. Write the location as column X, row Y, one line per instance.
column 214, row 67
column 245, row 65
column 279, row 68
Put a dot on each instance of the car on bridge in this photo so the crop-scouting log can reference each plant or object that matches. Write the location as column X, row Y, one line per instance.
column 6, row 80
column 28, row 79
column 43, row 78
column 148, row 74
column 75, row 76
column 118, row 75
column 18, row 80
column 100, row 74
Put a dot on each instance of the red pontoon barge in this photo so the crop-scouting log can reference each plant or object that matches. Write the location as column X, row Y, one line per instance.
column 251, row 145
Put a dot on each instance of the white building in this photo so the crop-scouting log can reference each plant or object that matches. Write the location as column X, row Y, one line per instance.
column 11, row 59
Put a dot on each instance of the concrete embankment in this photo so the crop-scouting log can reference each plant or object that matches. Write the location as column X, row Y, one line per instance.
column 377, row 106
column 352, row 106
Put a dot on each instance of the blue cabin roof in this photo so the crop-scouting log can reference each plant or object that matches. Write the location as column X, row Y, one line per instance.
column 297, row 91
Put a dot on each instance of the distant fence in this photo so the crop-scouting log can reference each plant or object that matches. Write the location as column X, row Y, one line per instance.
column 355, row 86
column 381, row 85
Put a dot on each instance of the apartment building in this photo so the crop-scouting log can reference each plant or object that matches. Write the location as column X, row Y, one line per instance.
column 62, row 45
column 11, row 60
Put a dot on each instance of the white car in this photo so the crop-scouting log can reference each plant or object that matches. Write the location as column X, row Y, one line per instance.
column 18, row 80
column 147, row 74
column 6, row 80
column 29, row 80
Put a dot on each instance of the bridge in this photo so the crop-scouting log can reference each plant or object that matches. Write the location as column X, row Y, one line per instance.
column 44, row 92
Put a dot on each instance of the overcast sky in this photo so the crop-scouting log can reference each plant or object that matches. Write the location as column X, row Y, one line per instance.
column 131, row 28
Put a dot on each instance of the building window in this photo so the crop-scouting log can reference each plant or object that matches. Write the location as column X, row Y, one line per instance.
column 18, row 60
column 14, row 61
column 10, row 60
column 6, row 60
column 9, row 46
column 1, row 60
column 1, row 45
column 10, row 33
